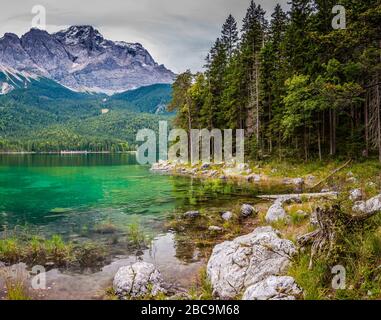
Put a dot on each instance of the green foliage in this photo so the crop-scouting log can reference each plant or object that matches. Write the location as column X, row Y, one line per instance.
column 298, row 87
column 203, row 289
column 46, row 117
column 38, row 251
column 149, row 99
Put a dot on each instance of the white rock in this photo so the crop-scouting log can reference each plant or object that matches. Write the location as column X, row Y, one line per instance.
column 191, row 214
column 352, row 180
column 301, row 213
column 213, row 173
column 205, row 166
column 236, row 265
column 275, row 213
column 313, row 219
column 138, row 280
column 295, row 181
column 371, row 184
column 242, row 166
column 373, row 205
column 355, row 195
column 215, row 229
column 311, row 179
column 227, row 216
column 247, row 210
column 163, row 166
column 273, row 288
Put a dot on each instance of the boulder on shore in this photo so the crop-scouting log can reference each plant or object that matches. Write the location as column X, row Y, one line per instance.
column 355, row 195
column 275, row 213
column 138, row 280
column 236, row 265
column 227, row 216
column 368, row 207
column 215, row 229
column 247, row 210
column 273, row 288
column 191, row 214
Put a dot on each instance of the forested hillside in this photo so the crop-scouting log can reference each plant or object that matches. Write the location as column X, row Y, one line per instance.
column 44, row 116
column 297, row 86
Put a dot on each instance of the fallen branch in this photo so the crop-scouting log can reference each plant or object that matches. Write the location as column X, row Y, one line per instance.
column 299, row 196
column 332, row 174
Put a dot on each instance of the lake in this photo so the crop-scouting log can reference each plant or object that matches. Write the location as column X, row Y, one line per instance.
column 81, row 197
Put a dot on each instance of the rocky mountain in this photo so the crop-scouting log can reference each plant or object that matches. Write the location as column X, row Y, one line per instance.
column 81, row 59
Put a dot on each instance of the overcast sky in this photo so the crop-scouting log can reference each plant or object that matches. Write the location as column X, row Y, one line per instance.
column 178, row 33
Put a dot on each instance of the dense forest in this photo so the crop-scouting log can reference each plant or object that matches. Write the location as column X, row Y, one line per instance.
column 47, row 117
column 299, row 87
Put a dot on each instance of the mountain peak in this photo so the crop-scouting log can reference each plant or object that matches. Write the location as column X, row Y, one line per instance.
column 10, row 36
column 80, row 34
column 80, row 56
column 36, row 31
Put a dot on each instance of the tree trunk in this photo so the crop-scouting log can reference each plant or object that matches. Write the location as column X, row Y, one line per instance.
column 366, row 122
column 319, row 139
column 378, row 110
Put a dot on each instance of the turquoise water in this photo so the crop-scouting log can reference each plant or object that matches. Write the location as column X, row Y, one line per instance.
column 74, row 194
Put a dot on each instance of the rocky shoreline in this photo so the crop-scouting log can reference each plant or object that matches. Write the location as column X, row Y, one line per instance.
column 252, row 266
column 226, row 171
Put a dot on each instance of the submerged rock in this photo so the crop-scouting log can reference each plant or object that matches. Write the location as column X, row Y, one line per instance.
column 191, row 214
column 227, row 216
column 247, row 210
column 139, row 280
column 273, row 288
column 275, row 213
column 236, row 265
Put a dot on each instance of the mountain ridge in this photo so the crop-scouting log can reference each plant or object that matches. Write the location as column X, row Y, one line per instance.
column 81, row 59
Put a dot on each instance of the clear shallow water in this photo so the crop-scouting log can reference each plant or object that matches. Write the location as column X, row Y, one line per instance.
column 72, row 195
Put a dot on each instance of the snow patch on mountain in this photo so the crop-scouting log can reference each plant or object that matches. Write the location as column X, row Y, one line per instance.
column 80, row 58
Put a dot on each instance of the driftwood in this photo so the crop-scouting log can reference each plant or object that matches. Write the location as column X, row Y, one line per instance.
column 330, row 222
column 332, row 174
column 299, row 196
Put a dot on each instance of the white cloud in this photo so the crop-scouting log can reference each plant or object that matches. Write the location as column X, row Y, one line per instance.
column 177, row 33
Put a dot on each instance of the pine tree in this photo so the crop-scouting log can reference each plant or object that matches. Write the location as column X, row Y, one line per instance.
column 253, row 38
column 229, row 36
